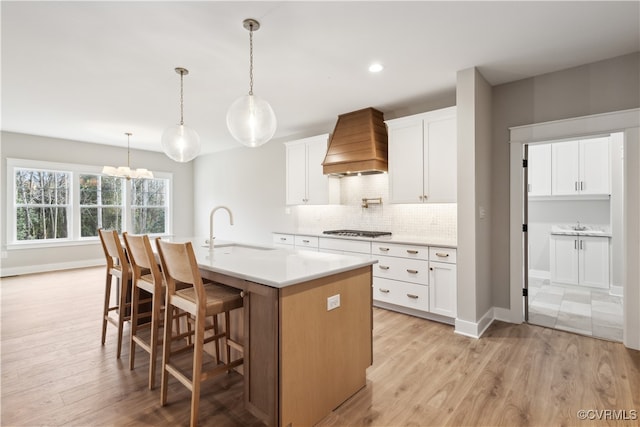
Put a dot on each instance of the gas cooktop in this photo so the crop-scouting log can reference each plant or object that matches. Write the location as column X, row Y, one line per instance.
column 357, row 233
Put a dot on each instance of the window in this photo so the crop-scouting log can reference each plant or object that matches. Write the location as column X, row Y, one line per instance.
column 101, row 204
column 53, row 202
column 41, row 204
column 148, row 206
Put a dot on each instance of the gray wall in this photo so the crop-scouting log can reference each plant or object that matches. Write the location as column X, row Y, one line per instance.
column 15, row 145
column 473, row 101
column 599, row 87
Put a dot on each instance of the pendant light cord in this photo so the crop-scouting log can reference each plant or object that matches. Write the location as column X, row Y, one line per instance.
column 251, row 59
column 181, row 98
column 128, row 150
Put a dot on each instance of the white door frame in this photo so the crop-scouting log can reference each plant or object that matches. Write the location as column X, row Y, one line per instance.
column 626, row 121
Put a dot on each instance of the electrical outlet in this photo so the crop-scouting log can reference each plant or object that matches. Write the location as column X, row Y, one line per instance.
column 333, row 302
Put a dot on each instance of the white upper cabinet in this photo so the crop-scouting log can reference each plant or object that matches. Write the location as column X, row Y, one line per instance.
column 423, row 157
column 539, row 170
column 305, row 182
column 580, row 167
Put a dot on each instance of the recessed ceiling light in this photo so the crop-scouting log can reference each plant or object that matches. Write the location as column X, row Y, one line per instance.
column 375, row 67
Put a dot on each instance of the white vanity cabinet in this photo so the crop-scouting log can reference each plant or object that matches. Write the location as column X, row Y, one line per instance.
column 580, row 167
column 423, row 157
column 305, row 182
column 443, row 281
column 539, row 170
column 580, row 260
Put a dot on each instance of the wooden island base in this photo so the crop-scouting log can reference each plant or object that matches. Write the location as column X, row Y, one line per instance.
column 303, row 359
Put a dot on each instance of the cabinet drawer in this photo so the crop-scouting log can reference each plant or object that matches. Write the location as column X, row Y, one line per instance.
column 358, row 246
column 442, row 254
column 396, row 250
column 283, row 239
column 408, row 270
column 401, row 293
column 306, row 242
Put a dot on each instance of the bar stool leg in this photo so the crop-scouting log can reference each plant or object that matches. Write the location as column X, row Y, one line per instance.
column 105, row 311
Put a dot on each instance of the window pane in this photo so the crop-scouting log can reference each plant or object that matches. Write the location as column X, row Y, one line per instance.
column 112, row 219
column 148, row 220
column 39, row 223
column 88, row 222
column 111, row 190
column 149, row 192
column 88, row 190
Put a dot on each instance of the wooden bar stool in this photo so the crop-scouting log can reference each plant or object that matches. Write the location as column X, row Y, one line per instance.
column 117, row 266
column 146, row 276
column 201, row 301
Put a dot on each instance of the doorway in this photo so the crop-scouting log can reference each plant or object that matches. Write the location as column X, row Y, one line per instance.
column 574, row 250
column 625, row 121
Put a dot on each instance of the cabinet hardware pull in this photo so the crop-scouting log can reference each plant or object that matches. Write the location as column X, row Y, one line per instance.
column 410, row 251
column 305, row 241
column 442, row 255
column 384, row 267
column 412, row 271
column 425, row 197
column 431, row 268
column 420, row 197
column 412, row 296
column 384, row 249
column 283, row 238
column 384, row 291
column 575, row 185
column 575, row 244
column 581, row 185
column 581, row 241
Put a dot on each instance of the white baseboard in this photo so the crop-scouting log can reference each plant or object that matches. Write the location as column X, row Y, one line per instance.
column 616, row 290
column 474, row 329
column 42, row 268
column 540, row 274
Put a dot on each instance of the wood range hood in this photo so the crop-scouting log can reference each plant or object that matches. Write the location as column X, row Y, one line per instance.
column 358, row 144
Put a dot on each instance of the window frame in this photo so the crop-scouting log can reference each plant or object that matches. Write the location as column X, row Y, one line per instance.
column 75, row 170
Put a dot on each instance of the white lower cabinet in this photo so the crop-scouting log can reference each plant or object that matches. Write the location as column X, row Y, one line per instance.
column 579, row 260
column 414, row 279
column 283, row 240
column 307, row 243
column 404, row 294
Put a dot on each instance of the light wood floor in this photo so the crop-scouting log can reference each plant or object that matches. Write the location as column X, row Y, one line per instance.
column 55, row 372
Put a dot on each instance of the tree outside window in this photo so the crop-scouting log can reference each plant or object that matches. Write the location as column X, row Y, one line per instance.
column 101, row 204
column 42, row 204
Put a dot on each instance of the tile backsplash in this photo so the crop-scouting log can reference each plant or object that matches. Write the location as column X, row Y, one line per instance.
column 426, row 220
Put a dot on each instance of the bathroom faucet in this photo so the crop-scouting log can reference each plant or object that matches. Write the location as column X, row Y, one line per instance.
column 213, row 211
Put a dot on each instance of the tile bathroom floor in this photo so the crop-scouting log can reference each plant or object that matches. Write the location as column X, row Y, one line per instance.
column 586, row 311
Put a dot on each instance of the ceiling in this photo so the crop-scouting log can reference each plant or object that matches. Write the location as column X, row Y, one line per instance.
column 91, row 71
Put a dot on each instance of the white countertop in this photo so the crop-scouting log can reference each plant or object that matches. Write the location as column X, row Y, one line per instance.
column 405, row 240
column 277, row 268
column 568, row 231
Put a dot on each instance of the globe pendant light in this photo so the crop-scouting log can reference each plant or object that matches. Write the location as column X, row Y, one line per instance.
column 250, row 119
column 179, row 142
column 125, row 171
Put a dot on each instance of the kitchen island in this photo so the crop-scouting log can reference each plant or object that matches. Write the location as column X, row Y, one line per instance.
column 307, row 327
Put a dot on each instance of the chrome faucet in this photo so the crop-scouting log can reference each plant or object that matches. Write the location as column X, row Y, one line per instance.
column 213, row 211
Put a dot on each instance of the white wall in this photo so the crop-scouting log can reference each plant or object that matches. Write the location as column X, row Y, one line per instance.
column 21, row 146
column 251, row 183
